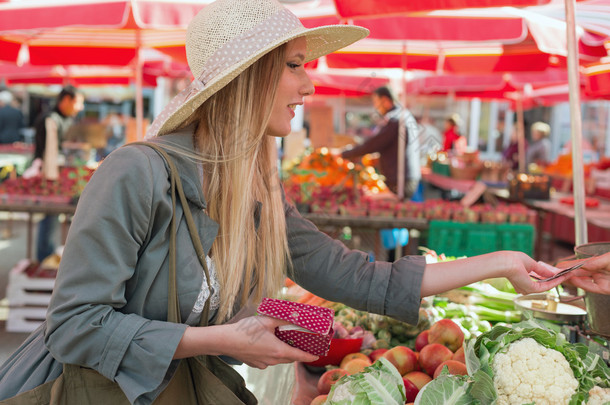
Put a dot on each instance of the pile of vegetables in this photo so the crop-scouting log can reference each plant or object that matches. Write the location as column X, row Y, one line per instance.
column 378, row 384
column 378, row 331
column 523, row 364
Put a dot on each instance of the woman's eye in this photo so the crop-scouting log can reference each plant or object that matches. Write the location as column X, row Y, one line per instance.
column 293, row 65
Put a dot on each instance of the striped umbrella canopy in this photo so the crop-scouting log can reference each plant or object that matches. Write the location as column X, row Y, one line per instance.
column 495, row 39
column 367, row 8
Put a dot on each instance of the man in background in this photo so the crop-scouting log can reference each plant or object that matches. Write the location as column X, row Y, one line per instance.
column 11, row 119
column 50, row 131
column 385, row 141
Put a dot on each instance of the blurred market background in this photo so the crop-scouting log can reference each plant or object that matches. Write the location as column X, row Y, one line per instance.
column 499, row 69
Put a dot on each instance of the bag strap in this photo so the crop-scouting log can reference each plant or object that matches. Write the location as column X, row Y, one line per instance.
column 173, row 307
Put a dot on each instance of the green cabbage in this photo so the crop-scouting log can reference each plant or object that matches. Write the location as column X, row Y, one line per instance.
column 446, row 389
column 379, row 384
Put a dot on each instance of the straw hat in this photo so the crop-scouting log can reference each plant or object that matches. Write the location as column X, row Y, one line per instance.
column 228, row 36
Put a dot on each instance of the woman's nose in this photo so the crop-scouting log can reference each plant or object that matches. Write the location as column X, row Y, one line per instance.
column 307, row 89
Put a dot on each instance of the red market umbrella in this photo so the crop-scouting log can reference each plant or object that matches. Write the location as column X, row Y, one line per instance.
column 353, row 9
column 93, row 32
column 496, row 39
column 345, row 85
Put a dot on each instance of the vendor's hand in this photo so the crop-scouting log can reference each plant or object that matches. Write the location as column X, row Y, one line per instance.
column 254, row 343
column 521, row 268
column 593, row 276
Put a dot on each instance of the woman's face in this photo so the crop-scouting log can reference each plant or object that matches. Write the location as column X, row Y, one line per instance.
column 294, row 85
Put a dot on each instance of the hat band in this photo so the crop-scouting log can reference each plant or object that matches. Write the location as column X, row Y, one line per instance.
column 238, row 49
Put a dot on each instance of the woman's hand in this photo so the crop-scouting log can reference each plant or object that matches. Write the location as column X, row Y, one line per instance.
column 593, row 276
column 521, row 266
column 251, row 340
column 258, row 346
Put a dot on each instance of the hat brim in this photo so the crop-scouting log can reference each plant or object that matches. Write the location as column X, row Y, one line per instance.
column 320, row 41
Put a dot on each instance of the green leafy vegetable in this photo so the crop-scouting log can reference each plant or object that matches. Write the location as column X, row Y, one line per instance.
column 446, row 389
column 378, row 384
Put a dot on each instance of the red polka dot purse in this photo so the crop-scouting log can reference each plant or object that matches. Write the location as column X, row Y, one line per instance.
column 311, row 326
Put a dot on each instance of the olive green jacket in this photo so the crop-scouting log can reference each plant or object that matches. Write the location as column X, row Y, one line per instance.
column 109, row 305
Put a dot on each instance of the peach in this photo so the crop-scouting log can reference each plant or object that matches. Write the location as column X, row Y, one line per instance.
column 377, row 353
column 319, row 400
column 329, row 378
column 352, row 356
column 402, row 358
column 421, row 340
column 356, row 365
column 432, row 355
column 459, row 355
column 455, row 368
column 448, row 333
column 418, row 378
column 411, row 390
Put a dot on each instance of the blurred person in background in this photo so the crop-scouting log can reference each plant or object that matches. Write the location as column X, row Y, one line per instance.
column 452, row 132
column 11, row 119
column 510, row 155
column 539, row 150
column 51, row 128
column 385, row 141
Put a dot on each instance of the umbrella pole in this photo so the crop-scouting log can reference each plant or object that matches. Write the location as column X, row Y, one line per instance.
column 139, row 95
column 402, row 149
column 578, row 176
column 520, row 133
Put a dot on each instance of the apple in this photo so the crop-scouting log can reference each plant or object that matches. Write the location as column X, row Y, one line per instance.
column 377, row 353
column 402, row 358
column 459, row 355
column 411, row 390
column 329, row 378
column 455, row 368
column 448, row 333
column 432, row 355
column 421, row 340
column 352, row 356
column 319, row 400
column 418, row 378
column 356, row 365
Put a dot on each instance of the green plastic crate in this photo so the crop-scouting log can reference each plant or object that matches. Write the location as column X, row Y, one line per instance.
column 470, row 239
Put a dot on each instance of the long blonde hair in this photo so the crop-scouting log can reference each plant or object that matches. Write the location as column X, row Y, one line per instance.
column 240, row 168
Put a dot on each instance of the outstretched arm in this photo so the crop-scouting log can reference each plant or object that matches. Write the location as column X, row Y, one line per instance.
column 515, row 266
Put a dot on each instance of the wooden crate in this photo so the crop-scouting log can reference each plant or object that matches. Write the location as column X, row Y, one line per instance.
column 29, row 293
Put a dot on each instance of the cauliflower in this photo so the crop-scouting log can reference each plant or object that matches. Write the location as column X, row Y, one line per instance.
column 599, row 396
column 529, row 372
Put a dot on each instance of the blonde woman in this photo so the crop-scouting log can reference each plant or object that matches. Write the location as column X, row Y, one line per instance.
column 109, row 308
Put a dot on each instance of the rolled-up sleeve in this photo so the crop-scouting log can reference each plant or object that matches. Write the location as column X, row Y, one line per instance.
column 327, row 268
column 85, row 323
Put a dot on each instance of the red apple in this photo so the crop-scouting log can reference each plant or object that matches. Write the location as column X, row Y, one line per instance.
column 356, row 365
column 377, row 353
column 319, row 400
column 459, row 355
column 329, row 378
column 455, row 367
column 421, row 340
column 448, row 333
column 432, row 355
column 411, row 390
column 418, row 378
column 402, row 358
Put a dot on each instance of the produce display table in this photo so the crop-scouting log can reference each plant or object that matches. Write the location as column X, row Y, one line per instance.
column 557, row 219
column 368, row 223
column 33, row 206
column 447, row 183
